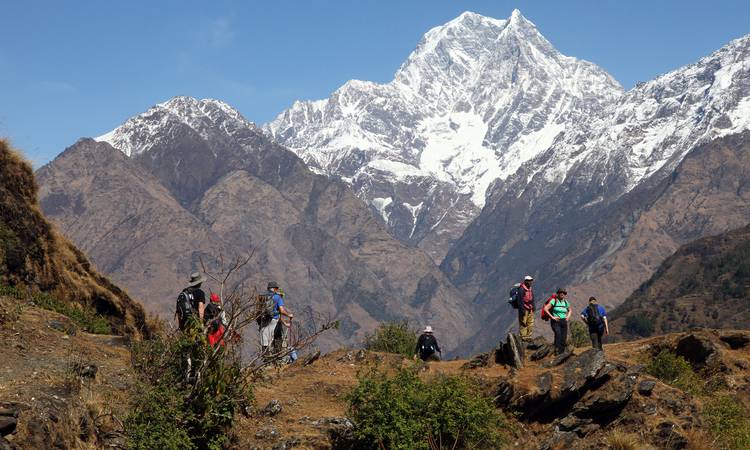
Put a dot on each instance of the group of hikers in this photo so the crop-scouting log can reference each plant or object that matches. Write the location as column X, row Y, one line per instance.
column 273, row 318
column 557, row 311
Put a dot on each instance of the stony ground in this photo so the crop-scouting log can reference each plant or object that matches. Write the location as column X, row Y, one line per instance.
column 64, row 388
column 551, row 405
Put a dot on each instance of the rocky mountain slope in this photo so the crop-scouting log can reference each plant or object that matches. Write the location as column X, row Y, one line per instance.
column 477, row 98
column 706, row 283
column 34, row 256
column 611, row 199
column 591, row 400
column 192, row 179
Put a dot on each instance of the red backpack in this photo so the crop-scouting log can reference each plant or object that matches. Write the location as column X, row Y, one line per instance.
column 545, row 314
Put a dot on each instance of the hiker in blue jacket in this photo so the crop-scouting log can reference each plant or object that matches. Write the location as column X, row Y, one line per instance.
column 595, row 317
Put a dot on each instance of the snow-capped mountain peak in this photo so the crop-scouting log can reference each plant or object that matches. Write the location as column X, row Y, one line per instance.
column 476, row 98
column 142, row 132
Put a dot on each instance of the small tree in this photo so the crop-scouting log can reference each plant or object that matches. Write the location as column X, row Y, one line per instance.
column 392, row 337
column 639, row 326
column 579, row 334
column 189, row 391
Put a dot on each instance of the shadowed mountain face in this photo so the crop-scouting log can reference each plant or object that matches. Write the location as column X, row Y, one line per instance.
column 33, row 255
column 706, row 283
column 193, row 179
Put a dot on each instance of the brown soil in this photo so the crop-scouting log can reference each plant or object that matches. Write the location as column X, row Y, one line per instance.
column 38, row 375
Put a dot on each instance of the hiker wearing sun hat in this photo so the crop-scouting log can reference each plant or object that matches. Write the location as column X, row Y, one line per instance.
column 427, row 346
column 191, row 301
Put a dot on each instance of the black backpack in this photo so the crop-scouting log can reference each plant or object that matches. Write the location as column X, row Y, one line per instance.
column 429, row 346
column 513, row 296
column 212, row 316
column 594, row 319
column 185, row 307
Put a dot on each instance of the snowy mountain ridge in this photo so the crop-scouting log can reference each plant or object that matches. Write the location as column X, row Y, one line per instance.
column 475, row 99
column 144, row 131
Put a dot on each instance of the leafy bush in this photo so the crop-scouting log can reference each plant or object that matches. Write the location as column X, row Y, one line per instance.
column 579, row 334
column 728, row 421
column 676, row 371
column 639, row 326
column 82, row 315
column 392, row 337
column 404, row 412
column 180, row 408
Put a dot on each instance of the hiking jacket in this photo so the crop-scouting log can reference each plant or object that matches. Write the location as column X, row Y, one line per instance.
column 523, row 302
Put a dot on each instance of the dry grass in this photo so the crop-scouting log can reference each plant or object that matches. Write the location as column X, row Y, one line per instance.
column 617, row 440
column 44, row 260
column 699, row 440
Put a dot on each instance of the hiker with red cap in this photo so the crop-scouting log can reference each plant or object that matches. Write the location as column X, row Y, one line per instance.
column 214, row 320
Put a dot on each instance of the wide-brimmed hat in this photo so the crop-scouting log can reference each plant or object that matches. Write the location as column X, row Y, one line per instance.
column 196, row 279
column 427, row 329
column 272, row 285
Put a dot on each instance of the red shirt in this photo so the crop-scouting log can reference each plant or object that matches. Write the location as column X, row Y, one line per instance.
column 528, row 297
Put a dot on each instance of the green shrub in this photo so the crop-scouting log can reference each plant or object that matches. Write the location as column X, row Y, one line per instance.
column 639, row 326
column 675, row 371
column 728, row 422
column 579, row 334
column 404, row 412
column 172, row 411
column 392, row 337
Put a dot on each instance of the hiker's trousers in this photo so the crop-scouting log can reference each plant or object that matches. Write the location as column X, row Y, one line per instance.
column 596, row 339
column 560, row 330
column 525, row 323
column 266, row 333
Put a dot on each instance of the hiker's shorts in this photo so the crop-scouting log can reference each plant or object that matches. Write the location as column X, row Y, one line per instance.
column 266, row 333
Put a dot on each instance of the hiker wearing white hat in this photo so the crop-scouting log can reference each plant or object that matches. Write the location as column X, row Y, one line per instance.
column 524, row 301
column 427, row 346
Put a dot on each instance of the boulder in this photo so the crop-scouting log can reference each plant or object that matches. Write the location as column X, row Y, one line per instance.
column 514, row 351
column 669, row 437
column 503, row 393
column 560, row 440
column 481, row 360
column 7, row 425
column 582, row 370
column 559, row 359
column 272, row 408
column 698, row 350
column 536, row 343
column 541, row 353
column 735, row 339
column 645, row 387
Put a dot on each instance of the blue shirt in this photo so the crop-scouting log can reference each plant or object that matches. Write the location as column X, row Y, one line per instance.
column 277, row 302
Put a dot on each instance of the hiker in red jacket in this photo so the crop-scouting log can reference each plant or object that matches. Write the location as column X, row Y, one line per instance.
column 525, row 301
column 214, row 321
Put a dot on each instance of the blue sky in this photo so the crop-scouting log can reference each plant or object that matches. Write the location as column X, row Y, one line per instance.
column 74, row 69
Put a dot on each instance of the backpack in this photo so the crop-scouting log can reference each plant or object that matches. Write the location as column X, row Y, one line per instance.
column 265, row 308
column 185, row 307
column 428, row 347
column 594, row 319
column 545, row 314
column 212, row 316
column 513, row 296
